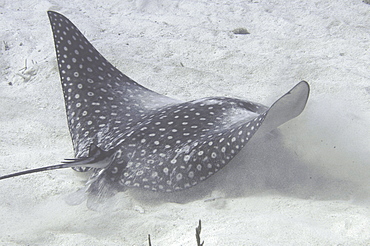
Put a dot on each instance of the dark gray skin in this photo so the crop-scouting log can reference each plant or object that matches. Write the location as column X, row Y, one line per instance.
column 134, row 137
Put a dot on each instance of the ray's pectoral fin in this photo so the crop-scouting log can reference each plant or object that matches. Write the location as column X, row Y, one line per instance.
column 97, row 158
column 286, row 107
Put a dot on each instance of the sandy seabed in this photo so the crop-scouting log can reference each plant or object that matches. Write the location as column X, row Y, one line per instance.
column 306, row 184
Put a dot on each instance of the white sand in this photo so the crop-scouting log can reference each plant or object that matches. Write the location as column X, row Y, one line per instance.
column 308, row 184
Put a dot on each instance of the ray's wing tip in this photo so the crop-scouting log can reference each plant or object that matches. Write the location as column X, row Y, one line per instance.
column 287, row 107
column 304, row 85
column 303, row 82
column 51, row 13
column 300, row 91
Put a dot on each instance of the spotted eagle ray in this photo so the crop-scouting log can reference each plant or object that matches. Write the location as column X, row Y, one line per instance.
column 134, row 137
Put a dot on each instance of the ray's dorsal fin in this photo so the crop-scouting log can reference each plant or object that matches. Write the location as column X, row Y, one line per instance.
column 98, row 97
column 97, row 159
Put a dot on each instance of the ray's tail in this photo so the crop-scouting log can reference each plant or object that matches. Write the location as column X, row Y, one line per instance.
column 36, row 170
column 97, row 159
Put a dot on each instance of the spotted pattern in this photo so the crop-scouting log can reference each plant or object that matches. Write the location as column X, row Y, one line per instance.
column 159, row 143
column 98, row 97
column 186, row 154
